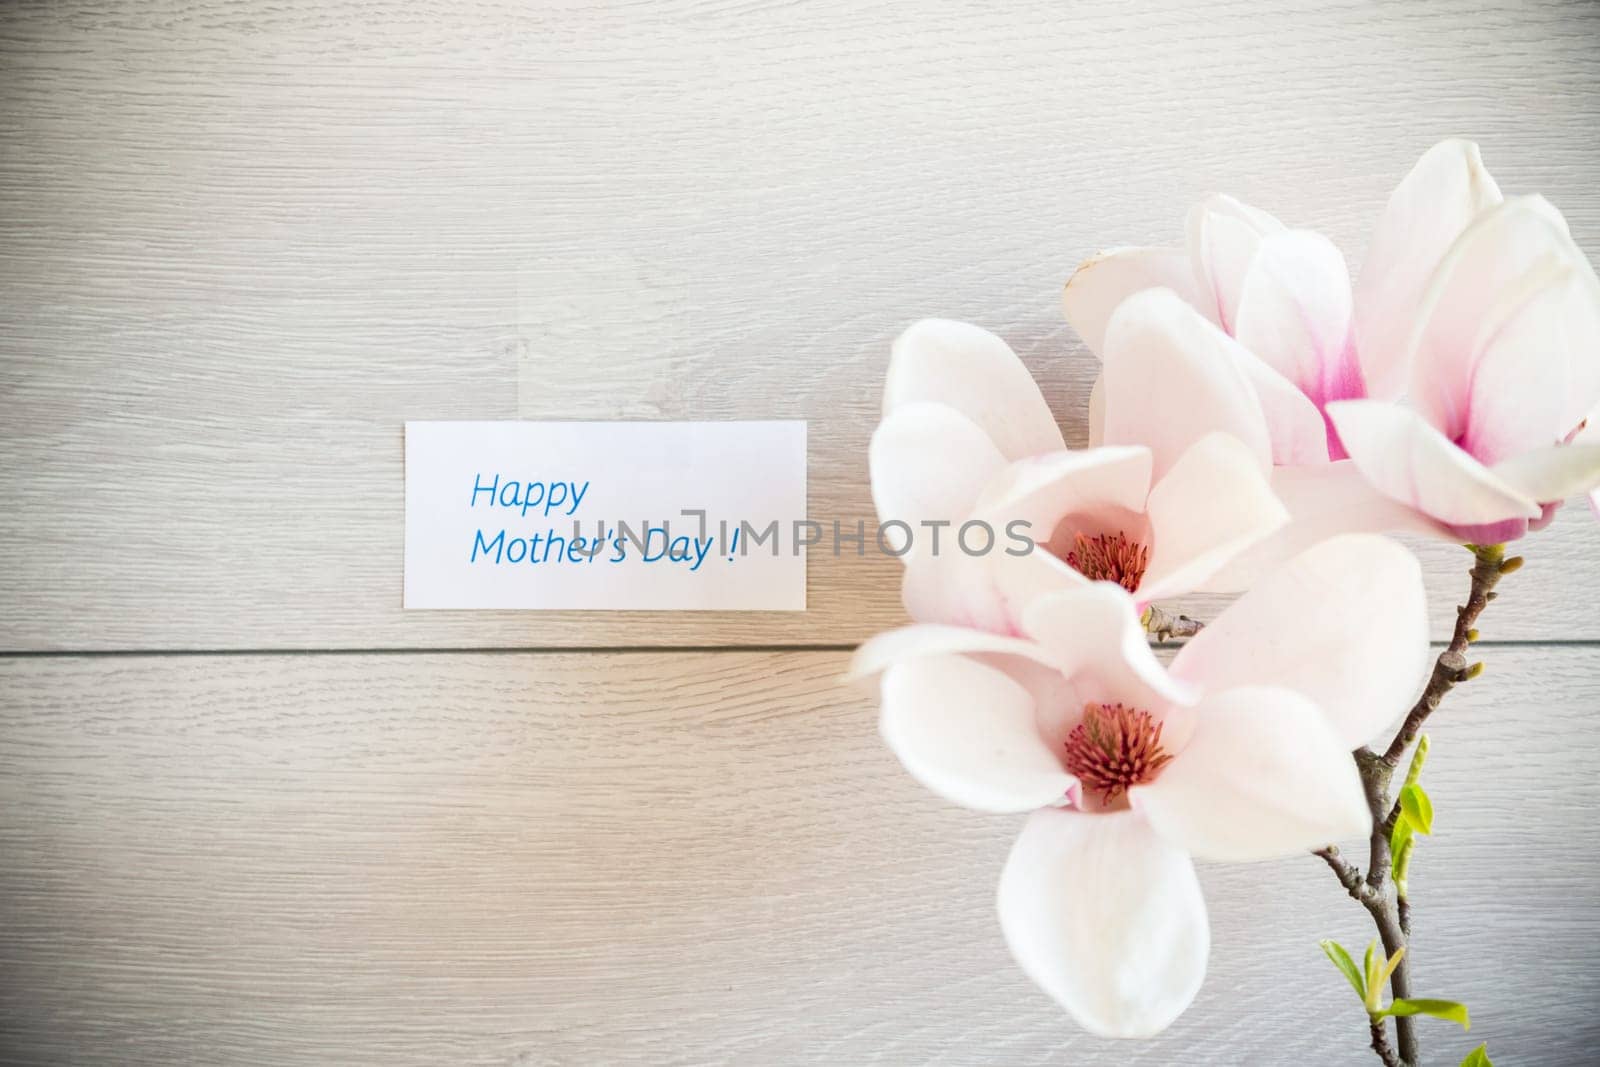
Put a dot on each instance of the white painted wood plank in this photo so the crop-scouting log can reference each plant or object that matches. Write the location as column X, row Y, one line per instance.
column 239, row 244
column 570, row 859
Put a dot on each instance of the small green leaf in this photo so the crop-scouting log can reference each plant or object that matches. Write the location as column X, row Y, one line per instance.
column 1400, row 835
column 1347, row 966
column 1393, row 962
column 1478, row 1057
column 1417, row 808
column 1370, row 965
column 1419, row 756
column 1402, row 868
column 1439, row 1009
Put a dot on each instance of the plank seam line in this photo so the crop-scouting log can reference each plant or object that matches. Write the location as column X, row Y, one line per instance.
column 498, row 650
column 545, row 650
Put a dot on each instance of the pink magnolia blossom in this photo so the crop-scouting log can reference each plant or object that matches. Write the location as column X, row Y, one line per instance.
column 1479, row 308
column 1240, row 751
column 967, row 437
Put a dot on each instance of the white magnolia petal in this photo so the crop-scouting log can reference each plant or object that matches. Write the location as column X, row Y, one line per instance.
column 1531, row 379
column 1264, row 775
column 1429, row 209
column 1171, row 377
column 1212, row 504
column 1554, row 472
column 1410, row 461
column 970, row 369
column 945, row 584
column 967, row 732
column 1294, row 314
column 1045, row 489
column 1588, row 434
column 1468, row 297
column 929, row 462
column 954, row 588
column 1312, row 626
column 1097, row 411
column 1106, row 280
column 1094, row 636
column 1583, row 389
column 1056, row 707
column 932, row 639
column 1107, row 919
column 1224, row 235
column 1020, row 580
column 1322, row 501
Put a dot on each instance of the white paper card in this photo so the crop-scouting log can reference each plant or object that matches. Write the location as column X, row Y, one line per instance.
column 598, row 516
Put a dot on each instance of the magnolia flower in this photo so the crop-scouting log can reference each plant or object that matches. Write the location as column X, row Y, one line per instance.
column 967, row 438
column 1239, row 751
column 1481, row 309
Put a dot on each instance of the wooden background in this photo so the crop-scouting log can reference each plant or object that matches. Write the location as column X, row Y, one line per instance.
column 253, row 813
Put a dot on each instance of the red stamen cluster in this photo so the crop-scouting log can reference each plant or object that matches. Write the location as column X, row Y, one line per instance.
column 1109, row 558
column 1115, row 747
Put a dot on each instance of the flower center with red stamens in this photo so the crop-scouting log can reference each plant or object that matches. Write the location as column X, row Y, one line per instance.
column 1109, row 558
column 1113, row 748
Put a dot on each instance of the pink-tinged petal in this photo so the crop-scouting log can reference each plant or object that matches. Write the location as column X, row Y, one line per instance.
column 1429, row 209
column 966, row 732
column 1532, row 380
column 929, row 462
column 1093, row 635
column 1264, row 776
column 1554, row 472
column 1344, row 624
column 1224, row 235
column 1299, row 433
column 927, row 640
column 1547, row 515
column 1214, row 503
column 1294, row 314
column 1322, row 501
column 1045, row 489
column 1488, row 263
column 970, row 369
column 1107, row 919
column 1171, row 377
column 1106, row 280
column 1495, row 533
column 1410, row 461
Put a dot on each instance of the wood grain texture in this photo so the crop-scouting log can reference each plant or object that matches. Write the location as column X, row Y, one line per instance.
column 676, row 858
column 241, row 243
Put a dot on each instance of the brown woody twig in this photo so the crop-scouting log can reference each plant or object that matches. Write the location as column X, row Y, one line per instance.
column 1390, row 915
column 1166, row 626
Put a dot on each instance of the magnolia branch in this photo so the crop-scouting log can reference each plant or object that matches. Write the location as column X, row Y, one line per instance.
column 1391, row 913
column 1380, row 1045
column 1451, row 667
column 1390, row 908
